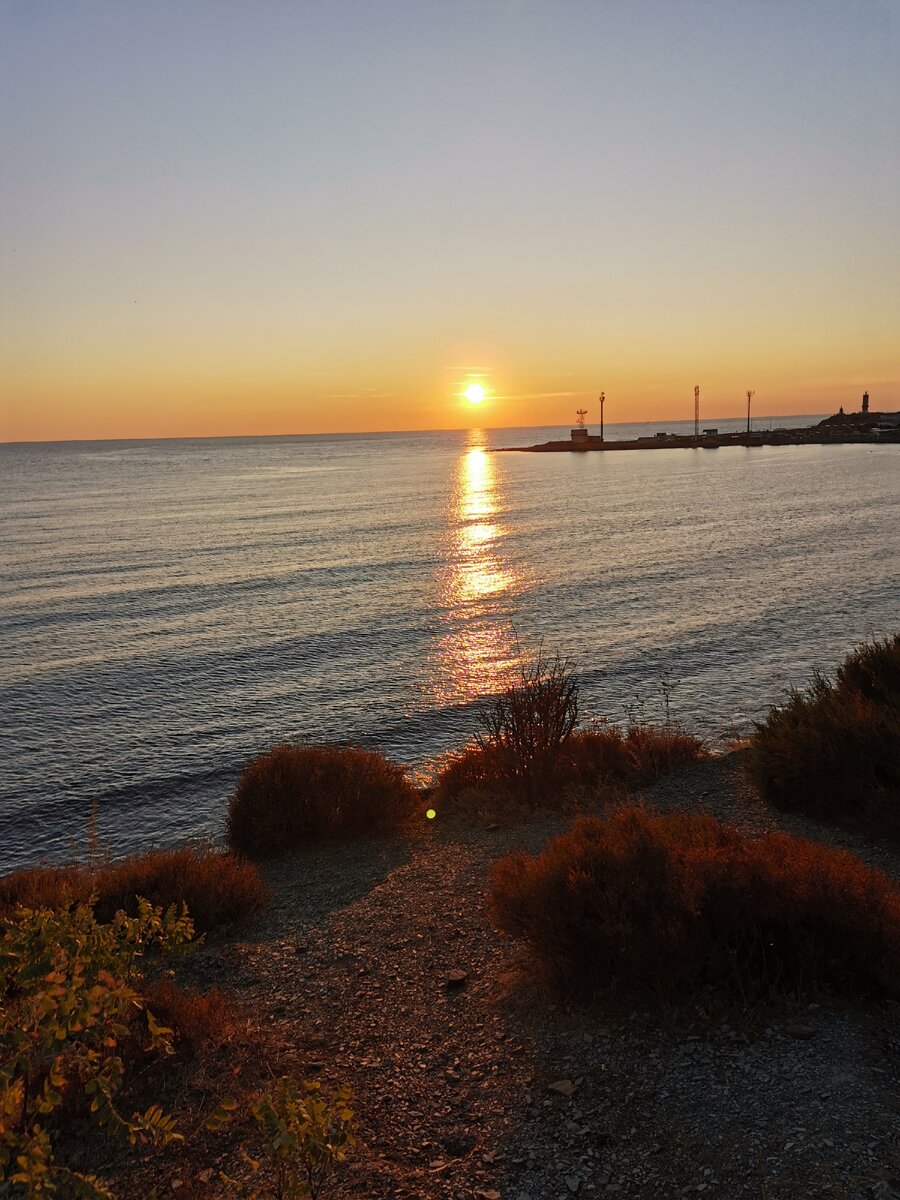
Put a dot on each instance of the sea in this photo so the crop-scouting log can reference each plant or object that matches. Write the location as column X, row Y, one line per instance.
column 169, row 609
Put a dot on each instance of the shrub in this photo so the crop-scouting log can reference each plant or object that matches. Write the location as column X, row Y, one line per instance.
column 305, row 1137
column 293, row 794
column 637, row 755
column 665, row 905
column 525, row 728
column 833, row 750
column 198, row 1020
column 218, row 889
column 69, row 989
column 603, row 757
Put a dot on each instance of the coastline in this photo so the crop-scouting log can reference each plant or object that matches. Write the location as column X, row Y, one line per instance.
column 499, row 1089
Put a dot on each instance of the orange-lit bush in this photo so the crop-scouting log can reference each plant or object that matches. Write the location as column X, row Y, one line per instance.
column 665, row 905
column 833, row 750
column 198, row 1020
column 293, row 794
column 218, row 889
column 636, row 755
column 599, row 758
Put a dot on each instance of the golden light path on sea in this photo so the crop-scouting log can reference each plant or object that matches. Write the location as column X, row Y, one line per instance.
column 478, row 653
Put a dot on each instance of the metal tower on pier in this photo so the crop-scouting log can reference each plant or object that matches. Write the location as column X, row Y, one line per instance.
column 602, row 402
column 696, row 414
column 750, row 396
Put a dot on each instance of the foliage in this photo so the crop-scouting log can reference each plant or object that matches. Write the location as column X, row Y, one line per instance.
column 218, row 889
column 638, row 755
column 198, row 1020
column 305, row 1138
column 833, row 750
column 292, row 794
column 525, row 727
column 604, row 756
column 68, row 995
column 662, row 905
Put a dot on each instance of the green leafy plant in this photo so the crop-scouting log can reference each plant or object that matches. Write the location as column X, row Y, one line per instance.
column 305, row 1139
column 69, row 997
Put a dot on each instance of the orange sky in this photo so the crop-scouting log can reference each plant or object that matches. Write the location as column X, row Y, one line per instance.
column 203, row 233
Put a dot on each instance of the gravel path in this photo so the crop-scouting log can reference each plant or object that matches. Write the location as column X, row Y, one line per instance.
column 483, row 1087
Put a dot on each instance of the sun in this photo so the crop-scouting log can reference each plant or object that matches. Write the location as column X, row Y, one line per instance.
column 474, row 393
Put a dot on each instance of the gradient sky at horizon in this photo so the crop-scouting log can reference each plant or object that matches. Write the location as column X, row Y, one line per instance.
column 229, row 218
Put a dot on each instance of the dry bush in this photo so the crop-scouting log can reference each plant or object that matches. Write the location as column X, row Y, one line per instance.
column 292, row 794
column 525, row 728
column 662, row 905
column 637, row 755
column 605, row 758
column 833, row 750
column 199, row 1020
column 219, row 889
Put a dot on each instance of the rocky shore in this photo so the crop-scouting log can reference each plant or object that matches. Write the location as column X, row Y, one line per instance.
column 376, row 964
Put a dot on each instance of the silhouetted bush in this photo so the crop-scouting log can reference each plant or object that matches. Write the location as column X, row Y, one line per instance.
column 293, row 794
column 218, row 889
column 603, row 758
column 525, row 728
column 667, row 905
column 833, row 750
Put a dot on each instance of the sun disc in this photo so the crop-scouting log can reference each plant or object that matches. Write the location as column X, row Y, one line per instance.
column 474, row 393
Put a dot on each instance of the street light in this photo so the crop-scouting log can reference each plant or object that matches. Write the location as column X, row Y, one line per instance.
column 602, row 402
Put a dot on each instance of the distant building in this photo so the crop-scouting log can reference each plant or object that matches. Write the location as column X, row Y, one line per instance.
column 865, row 404
column 710, row 433
column 580, row 434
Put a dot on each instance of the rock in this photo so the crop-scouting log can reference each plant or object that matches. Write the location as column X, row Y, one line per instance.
column 487, row 1194
column 799, row 1031
column 573, row 1183
column 561, row 1087
column 457, row 978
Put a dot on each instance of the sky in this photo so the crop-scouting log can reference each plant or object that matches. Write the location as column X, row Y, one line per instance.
column 225, row 218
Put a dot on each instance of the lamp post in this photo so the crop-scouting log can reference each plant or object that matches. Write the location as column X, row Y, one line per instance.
column 602, row 402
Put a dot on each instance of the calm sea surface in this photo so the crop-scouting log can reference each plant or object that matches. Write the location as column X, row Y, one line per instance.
column 169, row 608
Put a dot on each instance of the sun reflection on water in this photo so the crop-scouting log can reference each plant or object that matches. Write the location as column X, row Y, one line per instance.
column 478, row 652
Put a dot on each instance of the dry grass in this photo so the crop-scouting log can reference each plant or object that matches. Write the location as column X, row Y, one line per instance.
column 660, row 906
column 294, row 794
column 219, row 889
column 833, row 750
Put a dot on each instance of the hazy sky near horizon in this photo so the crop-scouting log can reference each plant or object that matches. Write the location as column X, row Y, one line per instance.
column 223, row 218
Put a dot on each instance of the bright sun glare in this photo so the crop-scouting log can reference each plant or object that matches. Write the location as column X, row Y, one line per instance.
column 474, row 393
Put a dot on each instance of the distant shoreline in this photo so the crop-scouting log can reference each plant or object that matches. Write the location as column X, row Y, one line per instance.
column 841, row 429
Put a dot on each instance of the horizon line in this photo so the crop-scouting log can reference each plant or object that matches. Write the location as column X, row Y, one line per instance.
column 221, row 437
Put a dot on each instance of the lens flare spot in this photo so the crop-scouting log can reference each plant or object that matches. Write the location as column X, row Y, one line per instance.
column 431, row 814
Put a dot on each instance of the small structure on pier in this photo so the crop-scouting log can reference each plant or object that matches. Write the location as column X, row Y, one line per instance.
column 579, row 433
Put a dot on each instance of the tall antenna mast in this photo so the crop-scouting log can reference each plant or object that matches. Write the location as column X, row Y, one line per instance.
column 602, row 402
column 750, row 396
column 696, row 414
